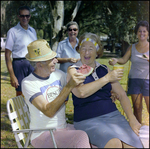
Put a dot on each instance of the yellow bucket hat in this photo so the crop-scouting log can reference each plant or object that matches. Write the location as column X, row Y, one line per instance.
column 39, row 50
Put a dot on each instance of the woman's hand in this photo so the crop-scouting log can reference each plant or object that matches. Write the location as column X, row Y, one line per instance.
column 146, row 56
column 113, row 61
column 73, row 60
column 114, row 96
column 135, row 125
column 114, row 75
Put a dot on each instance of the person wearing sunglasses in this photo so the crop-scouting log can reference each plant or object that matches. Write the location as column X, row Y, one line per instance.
column 18, row 37
column 66, row 50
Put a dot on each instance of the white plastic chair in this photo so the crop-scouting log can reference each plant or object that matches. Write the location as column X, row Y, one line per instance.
column 19, row 116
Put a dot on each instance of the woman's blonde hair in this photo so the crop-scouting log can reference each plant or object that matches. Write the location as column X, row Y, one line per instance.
column 93, row 37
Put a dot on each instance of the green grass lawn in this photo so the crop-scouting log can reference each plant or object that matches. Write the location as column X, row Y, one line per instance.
column 7, row 92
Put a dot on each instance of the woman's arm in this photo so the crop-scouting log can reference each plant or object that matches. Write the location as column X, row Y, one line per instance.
column 122, row 60
column 124, row 100
column 64, row 60
column 126, row 105
column 85, row 90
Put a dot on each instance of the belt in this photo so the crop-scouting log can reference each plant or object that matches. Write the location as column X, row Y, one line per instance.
column 18, row 58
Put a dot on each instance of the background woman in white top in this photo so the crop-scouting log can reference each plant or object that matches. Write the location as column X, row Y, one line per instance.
column 66, row 50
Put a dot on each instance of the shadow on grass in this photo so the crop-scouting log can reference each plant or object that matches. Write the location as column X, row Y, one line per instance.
column 4, row 73
column 69, row 118
column 3, row 107
column 5, row 81
column 5, row 122
column 5, row 126
column 8, row 143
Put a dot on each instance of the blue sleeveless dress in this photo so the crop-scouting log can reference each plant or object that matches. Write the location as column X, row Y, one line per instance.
column 98, row 116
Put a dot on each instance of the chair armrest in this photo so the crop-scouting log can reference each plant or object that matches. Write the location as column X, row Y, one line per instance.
column 35, row 130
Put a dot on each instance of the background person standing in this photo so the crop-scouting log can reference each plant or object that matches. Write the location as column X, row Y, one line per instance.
column 66, row 50
column 18, row 37
column 138, row 84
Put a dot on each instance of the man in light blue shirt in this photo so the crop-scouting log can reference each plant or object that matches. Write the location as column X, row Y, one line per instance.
column 66, row 50
column 18, row 37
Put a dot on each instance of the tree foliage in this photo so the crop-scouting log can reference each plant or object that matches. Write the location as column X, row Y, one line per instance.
column 116, row 19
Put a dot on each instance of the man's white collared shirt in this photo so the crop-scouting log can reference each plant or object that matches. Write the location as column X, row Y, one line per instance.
column 18, row 39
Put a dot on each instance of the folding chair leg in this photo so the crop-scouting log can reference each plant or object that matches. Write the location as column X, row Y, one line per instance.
column 28, row 139
column 52, row 135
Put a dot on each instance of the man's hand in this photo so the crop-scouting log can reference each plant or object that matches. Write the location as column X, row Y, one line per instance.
column 76, row 79
column 14, row 82
column 114, row 96
column 73, row 60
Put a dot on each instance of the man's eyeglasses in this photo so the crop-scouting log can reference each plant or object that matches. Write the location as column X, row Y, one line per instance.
column 23, row 16
column 75, row 29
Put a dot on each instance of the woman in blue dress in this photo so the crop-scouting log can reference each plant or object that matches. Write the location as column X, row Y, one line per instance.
column 94, row 111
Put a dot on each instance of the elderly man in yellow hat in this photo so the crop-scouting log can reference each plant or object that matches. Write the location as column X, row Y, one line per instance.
column 45, row 91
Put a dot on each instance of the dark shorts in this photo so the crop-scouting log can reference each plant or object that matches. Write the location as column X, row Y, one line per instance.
column 138, row 86
column 22, row 68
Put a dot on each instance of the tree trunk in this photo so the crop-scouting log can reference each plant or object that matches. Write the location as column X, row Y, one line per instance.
column 58, row 19
column 124, row 47
column 75, row 10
